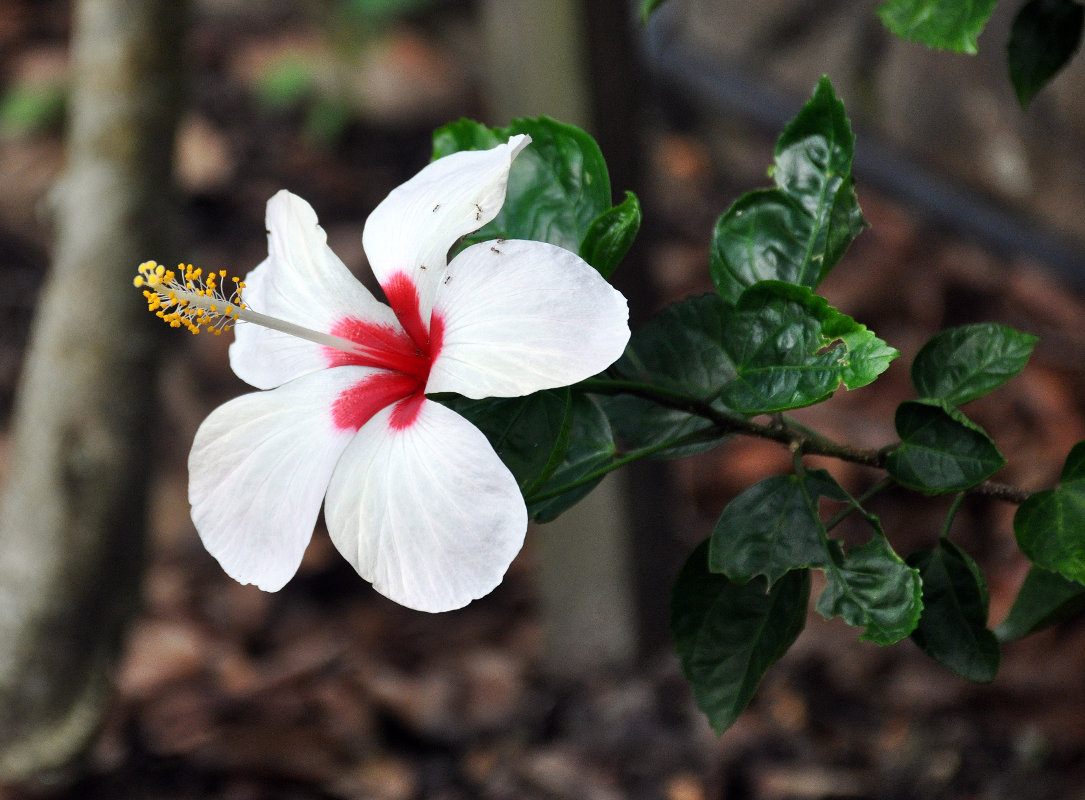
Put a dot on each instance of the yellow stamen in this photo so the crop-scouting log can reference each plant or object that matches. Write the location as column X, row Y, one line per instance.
column 188, row 299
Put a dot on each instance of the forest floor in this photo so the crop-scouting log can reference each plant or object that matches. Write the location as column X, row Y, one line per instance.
column 327, row 691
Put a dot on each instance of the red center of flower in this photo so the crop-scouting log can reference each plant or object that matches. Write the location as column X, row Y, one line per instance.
column 405, row 355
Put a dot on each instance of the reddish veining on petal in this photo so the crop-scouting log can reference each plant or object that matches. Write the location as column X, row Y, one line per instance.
column 436, row 336
column 404, row 354
column 379, row 346
column 406, row 411
column 402, row 296
column 357, row 405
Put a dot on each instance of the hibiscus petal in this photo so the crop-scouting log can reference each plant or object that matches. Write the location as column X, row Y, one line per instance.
column 521, row 316
column 415, row 226
column 301, row 281
column 258, row 471
column 426, row 512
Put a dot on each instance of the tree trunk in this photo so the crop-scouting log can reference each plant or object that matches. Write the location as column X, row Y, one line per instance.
column 72, row 509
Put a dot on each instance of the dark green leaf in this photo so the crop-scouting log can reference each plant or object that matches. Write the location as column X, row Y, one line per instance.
column 961, row 364
column 530, row 434
column 1050, row 525
column 464, row 134
column 682, row 349
column 1045, row 36
column 727, row 634
column 591, row 447
column 872, row 588
column 377, row 12
column 953, row 627
column 1073, row 469
column 611, row 235
column 941, row 450
column 558, row 185
column 641, row 424
column 790, row 348
column 798, row 231
column 781, row 347
column 1045, row 598
column 942, row 24
column 773, row 527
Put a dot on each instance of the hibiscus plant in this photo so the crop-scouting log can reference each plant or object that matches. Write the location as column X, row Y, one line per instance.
column 500, row 383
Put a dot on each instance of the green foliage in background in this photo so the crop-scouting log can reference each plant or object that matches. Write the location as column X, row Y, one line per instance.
column 1046, row 34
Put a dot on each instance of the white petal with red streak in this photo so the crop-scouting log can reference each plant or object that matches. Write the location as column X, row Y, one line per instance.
column 427, row 513
column 522, row 316
column 301, row 281
column 418, row 222
column 258, row 471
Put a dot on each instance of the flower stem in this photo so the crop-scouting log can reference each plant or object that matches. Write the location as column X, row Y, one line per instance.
column 780, row 428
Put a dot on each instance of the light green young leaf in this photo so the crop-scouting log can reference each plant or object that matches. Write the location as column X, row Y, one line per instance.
column 961, row 364
column 727, row 634
column 953, row 627
column 941, row 450
column 1050, row 525
column 798, row 231
column 942, row 24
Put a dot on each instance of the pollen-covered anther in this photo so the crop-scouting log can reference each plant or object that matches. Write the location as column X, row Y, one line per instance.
column 186, row 298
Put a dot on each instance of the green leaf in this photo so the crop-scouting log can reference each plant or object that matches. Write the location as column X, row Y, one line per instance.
column 530, row 434
column 285, row 83
column 1045, row 36
column 961, row 364
column 558, row 185
column 641, row 424
column 953, row 627
column 28, row 107
column 591, row 447
column 727, row 635
column 941, row 450
column 942, row 24
column 773, row 527
column 798, row 231
column 378, row 12
column 647, row 7
column 682, row 349
column 1050, row 525
column 611, row 235
column 873, row 588
column 1045, row 598
column 781, row 347
column 790, row 348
